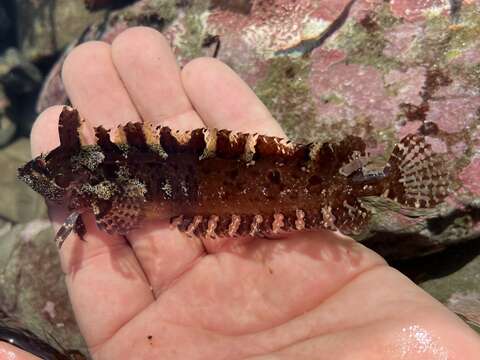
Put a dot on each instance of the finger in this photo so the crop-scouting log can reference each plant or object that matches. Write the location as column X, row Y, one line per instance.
column 94, row 87
column 46, row 123
column 151, row 75
column 106, row 284
column 102, row 98
column 223, row 100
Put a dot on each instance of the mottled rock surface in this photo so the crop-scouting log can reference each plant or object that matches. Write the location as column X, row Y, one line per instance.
column 467, row 305
column 19, row 203
column 7, row 126
column 18, row 75
column 45, row 27
column 452, row 277
column 382, row 71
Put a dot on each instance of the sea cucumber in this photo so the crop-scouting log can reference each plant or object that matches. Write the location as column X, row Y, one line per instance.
column 211, row 182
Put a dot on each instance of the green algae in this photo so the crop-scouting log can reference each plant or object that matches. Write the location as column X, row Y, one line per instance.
column 286, row 93
column 332, row 97
column 167, row 8
column 190, row 44
column 443, row 40
column 470, row 74
column 364, row 41
column 385, row 18
column 468, row 30
column 155, row 13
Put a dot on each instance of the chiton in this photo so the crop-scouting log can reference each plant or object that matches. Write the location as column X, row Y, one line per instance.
column 221, row 183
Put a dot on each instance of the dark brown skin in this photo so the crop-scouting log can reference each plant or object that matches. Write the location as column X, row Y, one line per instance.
column 156, row 293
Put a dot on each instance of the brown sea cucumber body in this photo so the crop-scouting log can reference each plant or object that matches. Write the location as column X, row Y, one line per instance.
column 222, row 183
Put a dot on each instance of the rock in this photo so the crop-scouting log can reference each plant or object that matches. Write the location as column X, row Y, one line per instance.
column 97, row 4
column 7, row 127
column 5, row 25
column 19, row 203
column 101, row 4
column 452, row 278
column 17, row 75
column 32, row 287
column 153, row 13
column 45, row 27
column 467, row 305
column 21, row 81
column 6, row 247
column 413, row 10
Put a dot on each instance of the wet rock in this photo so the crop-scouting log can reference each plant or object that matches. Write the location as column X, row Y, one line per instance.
column 32, row 287
column 45, row 27
column 469, row 174
column 94, row 5
column 153, row 13
column 97, row 4
column 17, row 75
column 7, row 127
column 414, row 10
column 21, row 81
column 451, row 277
column 19, row 204
column 4, row 24
column 467, row 305
column 459, row 291
column 342, row 90
column 241, row 6
column 6, row 247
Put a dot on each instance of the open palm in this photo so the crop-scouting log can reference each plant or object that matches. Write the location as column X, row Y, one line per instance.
column 161, row 295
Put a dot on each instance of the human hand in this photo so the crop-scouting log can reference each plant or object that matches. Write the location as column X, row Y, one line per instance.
column 159, row 294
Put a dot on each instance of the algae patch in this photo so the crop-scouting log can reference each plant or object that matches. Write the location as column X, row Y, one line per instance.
column 444, row 40
column 286, row 93
column 190, row 44
column 364, row 41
